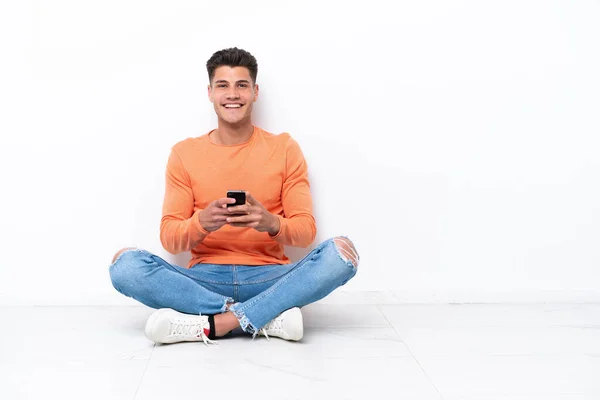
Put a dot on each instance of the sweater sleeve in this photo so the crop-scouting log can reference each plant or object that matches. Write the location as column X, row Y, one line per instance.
column 297, row 225
column 180, row 228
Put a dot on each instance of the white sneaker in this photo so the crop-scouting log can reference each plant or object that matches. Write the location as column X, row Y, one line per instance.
column 287, row 325
column 170, row 326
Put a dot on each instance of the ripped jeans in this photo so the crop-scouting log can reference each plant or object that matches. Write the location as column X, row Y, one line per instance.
column 256, row 294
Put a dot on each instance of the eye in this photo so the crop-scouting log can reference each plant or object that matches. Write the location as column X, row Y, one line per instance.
column 221, row 85
column 242, row 85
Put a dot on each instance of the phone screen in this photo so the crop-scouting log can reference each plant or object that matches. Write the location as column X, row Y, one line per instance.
column 238, row 195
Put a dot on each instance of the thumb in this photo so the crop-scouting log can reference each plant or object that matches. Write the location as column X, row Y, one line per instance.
column 251, row 200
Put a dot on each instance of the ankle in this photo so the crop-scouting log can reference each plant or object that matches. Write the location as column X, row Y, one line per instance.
column 225, row 323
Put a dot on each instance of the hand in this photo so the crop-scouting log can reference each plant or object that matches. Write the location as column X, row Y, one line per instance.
column 214, row 216
column 256, row 216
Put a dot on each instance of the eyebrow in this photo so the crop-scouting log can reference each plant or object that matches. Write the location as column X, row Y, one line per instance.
column 240, row 81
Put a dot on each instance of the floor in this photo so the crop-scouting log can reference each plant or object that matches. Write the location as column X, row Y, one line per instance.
column 362, row 352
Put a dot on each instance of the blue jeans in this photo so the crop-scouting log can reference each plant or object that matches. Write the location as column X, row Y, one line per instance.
column 256, row 294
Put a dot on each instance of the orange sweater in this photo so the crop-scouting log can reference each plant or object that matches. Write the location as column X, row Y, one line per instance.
column 271, row 167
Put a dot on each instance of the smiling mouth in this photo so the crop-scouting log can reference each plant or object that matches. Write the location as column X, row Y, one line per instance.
column 232, row 106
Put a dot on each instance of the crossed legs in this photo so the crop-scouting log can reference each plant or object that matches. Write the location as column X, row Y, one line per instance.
column 146, row 278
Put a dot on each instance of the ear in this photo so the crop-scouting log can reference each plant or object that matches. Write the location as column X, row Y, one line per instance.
column 255, row 92
column 210, row 97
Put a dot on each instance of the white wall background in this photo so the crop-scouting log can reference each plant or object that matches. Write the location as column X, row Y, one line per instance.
column 456, row 142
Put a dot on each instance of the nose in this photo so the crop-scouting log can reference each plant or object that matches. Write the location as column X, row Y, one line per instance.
column 232, row 93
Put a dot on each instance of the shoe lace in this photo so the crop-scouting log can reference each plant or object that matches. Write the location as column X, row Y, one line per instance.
column 274, row 326
column 190, row 329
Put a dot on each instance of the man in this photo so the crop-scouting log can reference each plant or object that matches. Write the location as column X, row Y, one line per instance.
column 239, row 275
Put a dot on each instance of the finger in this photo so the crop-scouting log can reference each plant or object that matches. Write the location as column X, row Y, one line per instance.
column 217, row 211
column 237, row 220
column 246, row 225
column 223, row 201
column 243, row 209
column 239, row 225
column 251, row 200
column 242, row 219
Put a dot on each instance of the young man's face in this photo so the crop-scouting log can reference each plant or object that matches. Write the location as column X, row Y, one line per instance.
column 233, row 93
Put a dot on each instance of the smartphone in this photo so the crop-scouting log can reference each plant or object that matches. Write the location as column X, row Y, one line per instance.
column 238, row 195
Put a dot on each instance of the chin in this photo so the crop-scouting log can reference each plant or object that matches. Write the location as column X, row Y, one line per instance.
column 237, row 121
column 233, row 121
column 230, row 122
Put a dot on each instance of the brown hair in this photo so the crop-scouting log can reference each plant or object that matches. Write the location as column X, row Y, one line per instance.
column 232, row 57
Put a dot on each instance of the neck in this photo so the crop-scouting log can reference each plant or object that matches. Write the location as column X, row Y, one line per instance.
column 228, row 134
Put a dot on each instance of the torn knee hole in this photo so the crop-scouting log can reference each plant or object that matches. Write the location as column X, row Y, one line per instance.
column 347, row 250
column 120, row 252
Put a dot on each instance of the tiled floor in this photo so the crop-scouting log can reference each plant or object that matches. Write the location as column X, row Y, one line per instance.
column 449, row 352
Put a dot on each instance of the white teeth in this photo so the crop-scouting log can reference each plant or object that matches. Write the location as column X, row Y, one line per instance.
column 233, row 105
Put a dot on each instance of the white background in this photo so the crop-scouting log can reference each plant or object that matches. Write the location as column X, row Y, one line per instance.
column 456, row 142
